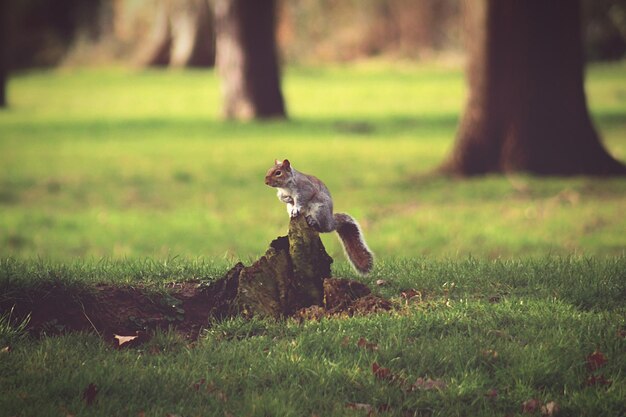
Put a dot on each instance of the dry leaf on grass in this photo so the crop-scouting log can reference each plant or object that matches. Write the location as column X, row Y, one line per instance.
column 550, row 409
column 531, row 406
column 381, row 373
column 122, row 340
column 363, row 343
column 90, row 393
column 598, row 380
column 596, row 360
column 428, row 384
column 411, row 294
column 492, row 393
column 368, row 408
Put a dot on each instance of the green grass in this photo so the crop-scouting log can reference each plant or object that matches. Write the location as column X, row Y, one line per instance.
column 523, row 328
column 130, row 178
column 115, row 163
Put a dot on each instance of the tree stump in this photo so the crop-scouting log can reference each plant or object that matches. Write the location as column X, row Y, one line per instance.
column 288, row 277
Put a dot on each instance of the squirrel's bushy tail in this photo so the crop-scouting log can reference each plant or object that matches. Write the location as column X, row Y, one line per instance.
column 354, row 244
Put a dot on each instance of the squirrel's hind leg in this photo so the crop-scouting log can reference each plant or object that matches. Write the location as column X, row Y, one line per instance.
column 320, row 218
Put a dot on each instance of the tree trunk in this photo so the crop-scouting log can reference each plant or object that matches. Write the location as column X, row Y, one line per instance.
column 157, row 51
column 193, row 39
column 182, row 36
column 247, row 59
column 527, row 109
column 4, row 51
column 288, row 277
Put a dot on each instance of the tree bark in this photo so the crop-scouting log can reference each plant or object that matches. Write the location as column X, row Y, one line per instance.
column 247, row 59
column 527, row 109
column 288, row 277
column 182, row 36
column 4, row 51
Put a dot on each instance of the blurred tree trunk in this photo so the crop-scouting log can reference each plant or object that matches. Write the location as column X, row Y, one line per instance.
column 4, row 51
column 247, row 59
column 527, row 109
column 182, row 35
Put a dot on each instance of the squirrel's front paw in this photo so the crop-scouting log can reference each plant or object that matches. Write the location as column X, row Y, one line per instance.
column 294, row 211
column 311, row 222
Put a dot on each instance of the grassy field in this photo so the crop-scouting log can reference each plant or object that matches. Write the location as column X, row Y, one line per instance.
column 485, row 338
column 131, row 179
column 112, row 163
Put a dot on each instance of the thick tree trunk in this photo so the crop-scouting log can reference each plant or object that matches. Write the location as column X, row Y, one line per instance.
column 527, row 109
column 3, row 87
column 288, row 277
column 4, row 51
column 182, row 36
column 157, row 51
column 194, row 41
column 247, row 59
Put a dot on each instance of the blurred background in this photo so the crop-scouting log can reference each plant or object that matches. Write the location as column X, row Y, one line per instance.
column 120, row 137
column 48, row 33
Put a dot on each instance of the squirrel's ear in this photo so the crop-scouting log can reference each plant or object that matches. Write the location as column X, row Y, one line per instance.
column 277, row 162
column 286, row 164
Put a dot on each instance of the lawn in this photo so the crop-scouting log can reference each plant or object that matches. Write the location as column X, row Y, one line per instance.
column 481, row 338
column 508, row 292
column 113, row 163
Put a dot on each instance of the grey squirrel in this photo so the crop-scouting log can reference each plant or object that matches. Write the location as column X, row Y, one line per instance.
column 307, row 195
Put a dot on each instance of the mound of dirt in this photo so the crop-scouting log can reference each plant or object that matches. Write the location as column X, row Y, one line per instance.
column 288, row 280
column 188, row 307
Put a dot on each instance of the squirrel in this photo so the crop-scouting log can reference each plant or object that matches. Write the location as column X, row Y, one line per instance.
column 307, row 195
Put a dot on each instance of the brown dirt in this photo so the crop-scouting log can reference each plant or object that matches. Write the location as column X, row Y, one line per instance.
column 186, row 307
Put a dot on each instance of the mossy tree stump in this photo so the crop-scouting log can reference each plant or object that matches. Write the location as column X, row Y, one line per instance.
column 288, row 277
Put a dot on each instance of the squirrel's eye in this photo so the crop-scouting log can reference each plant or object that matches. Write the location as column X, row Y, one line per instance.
column 278, row 173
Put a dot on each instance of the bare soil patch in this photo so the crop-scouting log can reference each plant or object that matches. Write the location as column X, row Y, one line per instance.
column 287, row 281
column 186, row 307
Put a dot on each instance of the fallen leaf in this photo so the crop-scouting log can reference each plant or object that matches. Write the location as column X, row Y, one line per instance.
column 90, row 393
column 596, row 360
column 550, row 409
column 5, row 349
column 363, row 343
column 381, row 282
column 67, row 412
column 381, row 373
column 428, row 384
column 598, row 380
column 141, row 414
column 530, row 406
column 490, row 354
column 368, row 408
column 492, row 393
column 221, row 395
column 212, row 389
column 122, row 340
column 410, row 294
column 197, row 385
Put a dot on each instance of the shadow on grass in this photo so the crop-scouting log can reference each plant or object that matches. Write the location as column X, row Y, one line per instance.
column 363, row 126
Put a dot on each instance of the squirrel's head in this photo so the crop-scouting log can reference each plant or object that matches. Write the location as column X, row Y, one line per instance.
column 279, row 175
